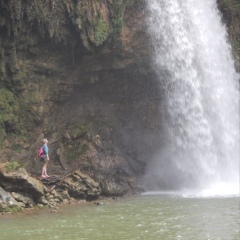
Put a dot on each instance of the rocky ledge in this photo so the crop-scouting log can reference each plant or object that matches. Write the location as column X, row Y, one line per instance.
column 19, row 190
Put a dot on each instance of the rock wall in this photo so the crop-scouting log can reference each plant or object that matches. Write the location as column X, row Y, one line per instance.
column 231, row 16
column 20, row 190
column 78, row 72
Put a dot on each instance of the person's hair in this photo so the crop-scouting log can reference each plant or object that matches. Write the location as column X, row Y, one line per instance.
column 44, row 140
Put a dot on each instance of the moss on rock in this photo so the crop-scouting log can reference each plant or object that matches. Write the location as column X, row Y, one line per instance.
column 8, row 109
column 11, row 209
column 12, row 166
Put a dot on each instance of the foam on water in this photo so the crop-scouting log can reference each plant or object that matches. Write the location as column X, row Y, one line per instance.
column 198, row 195
column 193, row 60
column 215, row 191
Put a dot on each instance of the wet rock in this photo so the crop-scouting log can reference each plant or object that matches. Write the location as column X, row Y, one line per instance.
column 65, row 201
column 56, row 195
column 67, row 135
column 110, row 187
column 7, row 201
column 23, row 198
column 100, row 203
column 65, row 195
column 42, row 200
column 21, row 181
column 40, row 206
column 6, row 143
column 55, row 208
column 81, row 186
column 72, row 201
column 54, row 211
column 52, row 204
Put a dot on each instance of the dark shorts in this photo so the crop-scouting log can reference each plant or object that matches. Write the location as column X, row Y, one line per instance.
column 44, row 160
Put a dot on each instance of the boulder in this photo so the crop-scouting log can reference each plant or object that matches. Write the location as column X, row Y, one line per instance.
column 26, row 200
column 111, row 187
column 7, row 201
column 81, row 186
column 19, row 181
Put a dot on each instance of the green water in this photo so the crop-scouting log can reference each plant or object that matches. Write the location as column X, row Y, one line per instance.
column 163, row 217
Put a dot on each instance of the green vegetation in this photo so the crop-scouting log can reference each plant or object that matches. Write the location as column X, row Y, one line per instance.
column 19, row 76
column 27, row 28
column 83, row 149
column 73, row 151
column 74, row 148
column 79, row 130
column 101, row 31
column 82, row 130
column 117, row 16
column 2, row 66
column 12, row 209
column 117, row 24
column 17, row 148
column 13, row 60
column 8, row 108
column 8, row 105
column 2, row 133
column 12, row 166
column 93, row 22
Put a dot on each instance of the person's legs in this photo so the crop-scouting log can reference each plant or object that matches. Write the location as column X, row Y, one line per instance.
column 44, row 169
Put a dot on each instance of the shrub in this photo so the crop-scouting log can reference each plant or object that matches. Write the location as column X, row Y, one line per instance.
column 12, row 166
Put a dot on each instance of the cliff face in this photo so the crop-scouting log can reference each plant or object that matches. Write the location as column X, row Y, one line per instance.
column 231, row 16
column 78, row 73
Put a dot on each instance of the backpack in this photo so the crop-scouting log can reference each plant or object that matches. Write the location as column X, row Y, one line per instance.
column 41, row 152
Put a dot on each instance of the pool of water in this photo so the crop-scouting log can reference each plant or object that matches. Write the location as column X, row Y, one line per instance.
column 159, row 216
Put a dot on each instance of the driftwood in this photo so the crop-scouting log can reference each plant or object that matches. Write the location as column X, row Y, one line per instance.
column 53, row 180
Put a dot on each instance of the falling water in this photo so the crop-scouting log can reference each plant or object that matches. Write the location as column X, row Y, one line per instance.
column 193, row 61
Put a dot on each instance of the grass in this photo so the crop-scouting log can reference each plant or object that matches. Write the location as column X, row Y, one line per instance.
column 12, row 166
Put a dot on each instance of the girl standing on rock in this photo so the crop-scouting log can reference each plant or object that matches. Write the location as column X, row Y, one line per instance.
column 45, row 158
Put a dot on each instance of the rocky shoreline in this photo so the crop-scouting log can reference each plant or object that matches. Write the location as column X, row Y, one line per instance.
column 20, row 191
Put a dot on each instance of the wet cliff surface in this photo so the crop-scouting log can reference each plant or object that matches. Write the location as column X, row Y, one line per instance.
column 231, row 16
column 79, row 73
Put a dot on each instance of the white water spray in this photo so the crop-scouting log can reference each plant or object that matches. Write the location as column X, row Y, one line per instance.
column 193, row 61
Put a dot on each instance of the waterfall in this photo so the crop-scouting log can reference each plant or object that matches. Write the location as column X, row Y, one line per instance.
column 192, row 59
